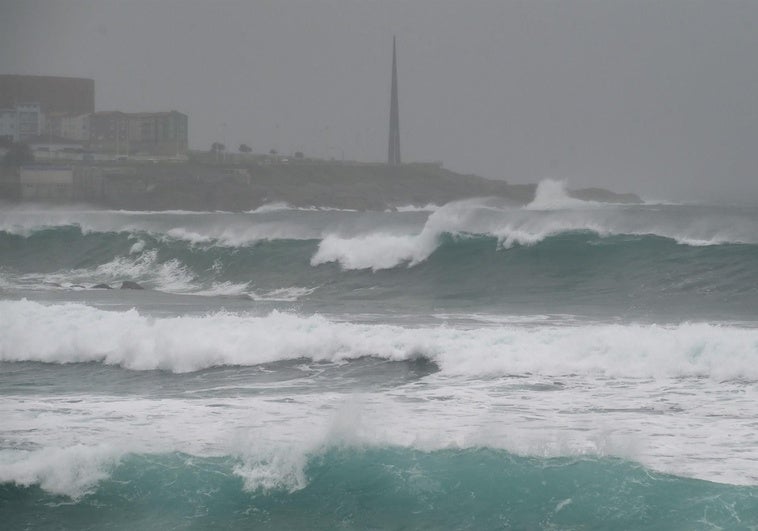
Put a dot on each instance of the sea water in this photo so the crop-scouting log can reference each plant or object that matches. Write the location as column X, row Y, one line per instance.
column 475, row 365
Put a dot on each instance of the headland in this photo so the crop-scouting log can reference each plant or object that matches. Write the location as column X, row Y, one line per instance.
column 200, row 185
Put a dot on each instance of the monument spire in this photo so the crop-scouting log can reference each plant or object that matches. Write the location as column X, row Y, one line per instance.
column 393, row 154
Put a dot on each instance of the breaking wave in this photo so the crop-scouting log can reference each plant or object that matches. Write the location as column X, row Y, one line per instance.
column 71, row 333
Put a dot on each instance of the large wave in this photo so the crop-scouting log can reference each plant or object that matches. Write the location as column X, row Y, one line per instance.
column 478, row 252
column 552, row 213
column 69, row 333
column 560, row 274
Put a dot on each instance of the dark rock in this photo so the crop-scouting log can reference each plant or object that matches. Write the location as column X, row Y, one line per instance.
column 101, row 286
column 128, row 284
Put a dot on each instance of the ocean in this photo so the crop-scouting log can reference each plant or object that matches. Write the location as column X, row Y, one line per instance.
column 474, row 365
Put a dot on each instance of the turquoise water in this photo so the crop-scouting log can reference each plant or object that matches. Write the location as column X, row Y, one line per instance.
column 476, row 365
column 391, row 489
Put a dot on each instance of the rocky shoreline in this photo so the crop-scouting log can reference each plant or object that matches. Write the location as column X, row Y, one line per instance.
column 195, row 186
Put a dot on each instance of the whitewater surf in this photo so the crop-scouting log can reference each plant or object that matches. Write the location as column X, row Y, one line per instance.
column 474, row 365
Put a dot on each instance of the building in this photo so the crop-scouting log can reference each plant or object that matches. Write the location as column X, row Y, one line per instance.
column 109, row 132
column 159, row 133
column 46, row 183
column 150, row 133
column 8, row 125
column 21, row 122
column 30, row 120
column 50, row 147
column 68, row 125
column 53, row 94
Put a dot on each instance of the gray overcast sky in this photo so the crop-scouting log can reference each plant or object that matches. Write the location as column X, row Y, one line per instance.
column 656, row 97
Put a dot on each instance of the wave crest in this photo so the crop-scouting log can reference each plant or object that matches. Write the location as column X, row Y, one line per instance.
column 67, row 333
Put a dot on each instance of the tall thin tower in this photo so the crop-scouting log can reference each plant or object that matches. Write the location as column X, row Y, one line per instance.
column 393, row 153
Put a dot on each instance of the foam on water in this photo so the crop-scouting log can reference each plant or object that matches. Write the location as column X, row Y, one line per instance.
column 552, row 212
column 552, row 195
column 72, row 471
column 145, row 418
column 31, row 331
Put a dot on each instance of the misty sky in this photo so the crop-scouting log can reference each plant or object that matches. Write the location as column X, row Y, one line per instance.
column 655, row 97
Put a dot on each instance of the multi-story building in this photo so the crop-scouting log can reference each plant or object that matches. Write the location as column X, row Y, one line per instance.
column 65, row 107
column 151, row 133
column 158, row 133
column 30, row 120
column 67, row 125
column 8, row 125
column 109, row 131
column 21, row 122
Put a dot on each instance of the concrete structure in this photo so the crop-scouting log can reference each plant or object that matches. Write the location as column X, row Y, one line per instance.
column 30, row 120
column 148, row 133
column 109, row 131
column 50, row 147
column 46, row 183
column 158, row 133
column 67, row 125
column 393, row 154
column 21, row 122
column 8, row 125
column 54, row 94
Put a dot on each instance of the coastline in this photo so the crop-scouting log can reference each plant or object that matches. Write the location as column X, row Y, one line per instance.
column 241, row 187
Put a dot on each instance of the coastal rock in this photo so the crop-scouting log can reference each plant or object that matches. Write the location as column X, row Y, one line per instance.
column 101, row 286
column 128, row 284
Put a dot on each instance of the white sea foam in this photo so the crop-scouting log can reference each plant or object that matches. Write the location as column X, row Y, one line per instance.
column 552, row 195
column 379, row 250
column 231, row 289
column 170, row 275
column 279, row 206
column 552, row 213
column 273, row 207
column 72, row 471
column 429, row 207
column 139, row 266
column 364, row 240
column 290, row 294
column 225, row 289
column 67, row 333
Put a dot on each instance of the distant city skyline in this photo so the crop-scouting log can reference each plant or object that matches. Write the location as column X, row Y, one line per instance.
column 650, row 97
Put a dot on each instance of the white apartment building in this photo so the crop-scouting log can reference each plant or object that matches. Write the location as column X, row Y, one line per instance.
column 21, row 122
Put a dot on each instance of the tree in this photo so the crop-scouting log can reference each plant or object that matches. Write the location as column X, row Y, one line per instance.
column 244, row 148
column 274, row 152
column 299, row 155
column 18, row 154
column 217, row 147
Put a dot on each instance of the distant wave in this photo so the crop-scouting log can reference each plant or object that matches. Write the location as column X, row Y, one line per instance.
column 281, row 206
column 532, row 260
column 547, row 217
column 429, row 207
